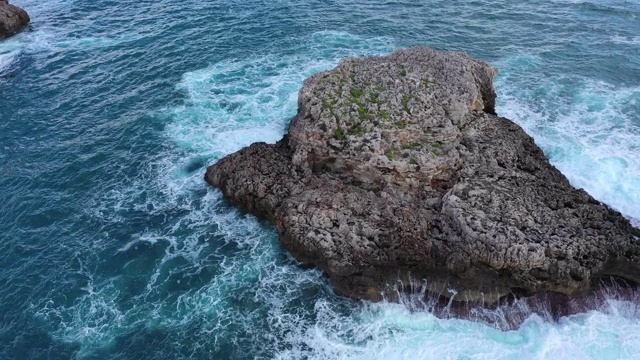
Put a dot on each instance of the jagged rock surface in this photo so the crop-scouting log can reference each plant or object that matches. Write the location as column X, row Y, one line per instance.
column 12, row 19
column 396, row 170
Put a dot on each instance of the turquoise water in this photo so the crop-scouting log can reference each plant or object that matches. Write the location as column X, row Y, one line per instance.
column 112, row 246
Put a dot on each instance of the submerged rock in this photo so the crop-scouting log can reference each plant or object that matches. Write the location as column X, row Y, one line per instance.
column 397, row 174
column 12, row 19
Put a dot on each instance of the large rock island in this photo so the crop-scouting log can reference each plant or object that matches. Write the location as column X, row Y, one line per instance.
column 12, row 19
column 396, row 173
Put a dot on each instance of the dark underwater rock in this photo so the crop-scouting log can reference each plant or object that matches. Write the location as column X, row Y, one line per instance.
column 397, row 171
column 12, row 19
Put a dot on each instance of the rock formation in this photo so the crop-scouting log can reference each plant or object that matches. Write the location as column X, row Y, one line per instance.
column 396, row 173
column 12, row 19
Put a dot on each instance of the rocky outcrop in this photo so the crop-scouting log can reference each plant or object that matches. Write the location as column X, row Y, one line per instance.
column 397, row 174
column 12, row 19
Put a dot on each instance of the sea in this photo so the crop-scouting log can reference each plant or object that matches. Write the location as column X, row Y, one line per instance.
column 113, row 247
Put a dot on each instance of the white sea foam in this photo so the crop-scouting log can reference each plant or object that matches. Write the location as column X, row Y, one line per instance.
column 390, row 331
column 6, row 58
column 627, row 40
column 9, row 51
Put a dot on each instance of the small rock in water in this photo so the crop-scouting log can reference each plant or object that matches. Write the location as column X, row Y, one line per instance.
column 12, row 19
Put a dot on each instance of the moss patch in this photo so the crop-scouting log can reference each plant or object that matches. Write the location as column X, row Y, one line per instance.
column 411, row 146
column 356, row 93
column 363, row 113
column 425, row 84
column 358, row 130
column 405, row 103
column 391, row 154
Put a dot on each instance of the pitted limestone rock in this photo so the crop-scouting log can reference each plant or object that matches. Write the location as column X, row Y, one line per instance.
column 396, row 170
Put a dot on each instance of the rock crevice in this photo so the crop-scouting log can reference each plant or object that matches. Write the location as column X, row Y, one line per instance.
column 397, row 171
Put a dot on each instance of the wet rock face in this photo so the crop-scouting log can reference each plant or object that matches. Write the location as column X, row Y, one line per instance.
column 397, row 171
column 12, row 19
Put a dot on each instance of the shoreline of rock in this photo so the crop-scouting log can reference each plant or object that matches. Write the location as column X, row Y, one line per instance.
column 396, row 168
column 12, row 19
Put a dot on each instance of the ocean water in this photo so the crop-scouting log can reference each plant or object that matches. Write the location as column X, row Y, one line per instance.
column 113, row 247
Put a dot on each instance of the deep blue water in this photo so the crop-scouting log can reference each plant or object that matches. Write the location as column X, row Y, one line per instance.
column 112, row 246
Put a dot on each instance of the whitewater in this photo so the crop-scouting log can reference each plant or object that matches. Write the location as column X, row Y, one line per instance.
column 112, row 246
